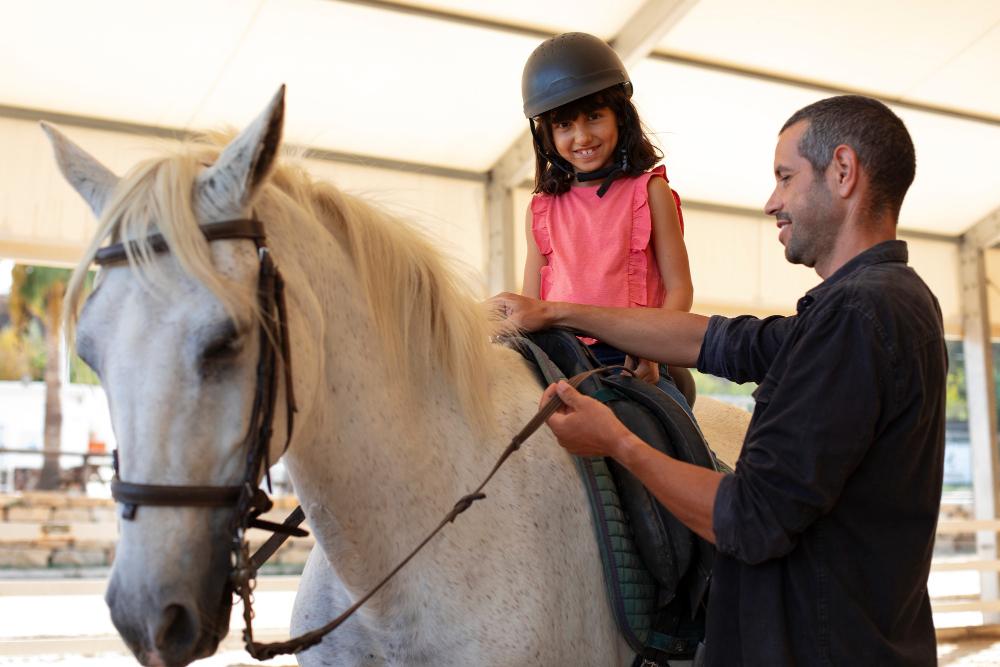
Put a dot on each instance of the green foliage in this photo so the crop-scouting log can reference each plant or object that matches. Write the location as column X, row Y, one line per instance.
column 957, row 408
column 19, row 356
column 35, row 304
column 80, row 373
column 956, row 405
column 33, row 292
column 710, row 385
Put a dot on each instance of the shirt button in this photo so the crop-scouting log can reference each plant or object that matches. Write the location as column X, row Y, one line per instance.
column 804, row 303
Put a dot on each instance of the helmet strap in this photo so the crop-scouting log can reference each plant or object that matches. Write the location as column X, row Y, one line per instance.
column 609, row 173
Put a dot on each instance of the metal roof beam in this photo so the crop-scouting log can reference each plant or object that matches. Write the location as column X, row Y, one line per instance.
column 821, row 86
column 524, row 29
column 179, row 134
column 985, row 233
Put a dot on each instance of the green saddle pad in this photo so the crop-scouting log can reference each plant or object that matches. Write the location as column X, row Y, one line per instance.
column 633, row 592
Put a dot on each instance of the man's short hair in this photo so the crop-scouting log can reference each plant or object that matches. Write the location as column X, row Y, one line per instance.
column 876, row 134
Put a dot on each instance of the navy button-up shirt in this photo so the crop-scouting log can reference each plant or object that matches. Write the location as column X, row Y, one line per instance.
column 826, row 528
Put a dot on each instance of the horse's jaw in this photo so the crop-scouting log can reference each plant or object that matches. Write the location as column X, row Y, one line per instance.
column 178, row 623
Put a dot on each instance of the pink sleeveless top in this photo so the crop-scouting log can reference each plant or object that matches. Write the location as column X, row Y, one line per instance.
column 598, row 249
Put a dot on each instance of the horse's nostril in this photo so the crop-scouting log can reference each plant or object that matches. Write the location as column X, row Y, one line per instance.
column 178, row 628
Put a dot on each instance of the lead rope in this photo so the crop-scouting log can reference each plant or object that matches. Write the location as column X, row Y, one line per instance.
column 261, row 651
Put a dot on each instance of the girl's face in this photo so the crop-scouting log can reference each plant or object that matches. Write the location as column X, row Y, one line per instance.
column 588, row 141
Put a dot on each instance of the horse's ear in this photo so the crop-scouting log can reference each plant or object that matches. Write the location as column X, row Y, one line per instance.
column 226, row 188
column 90, row 178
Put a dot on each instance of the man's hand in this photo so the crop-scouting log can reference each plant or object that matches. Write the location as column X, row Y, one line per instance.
column 583, row 426
column 586, row 427
column 524, row 312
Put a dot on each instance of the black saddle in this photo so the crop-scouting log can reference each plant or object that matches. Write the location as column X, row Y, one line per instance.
column 678, row 559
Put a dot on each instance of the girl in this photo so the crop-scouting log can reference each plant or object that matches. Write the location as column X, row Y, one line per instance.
column 602, row 230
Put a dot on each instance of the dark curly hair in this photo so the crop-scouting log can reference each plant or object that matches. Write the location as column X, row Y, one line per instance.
column 641, row 153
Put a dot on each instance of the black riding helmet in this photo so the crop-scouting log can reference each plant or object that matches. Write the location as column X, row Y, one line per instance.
column 565, row 68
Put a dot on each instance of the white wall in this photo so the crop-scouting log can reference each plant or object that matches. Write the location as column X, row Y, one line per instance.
column 22, row 420
column 738, row 266
column 43, row 220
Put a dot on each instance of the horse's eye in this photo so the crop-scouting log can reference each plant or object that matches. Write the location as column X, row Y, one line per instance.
column 222, row 347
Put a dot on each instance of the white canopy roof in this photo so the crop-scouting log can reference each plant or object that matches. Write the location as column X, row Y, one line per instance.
column 433, row 88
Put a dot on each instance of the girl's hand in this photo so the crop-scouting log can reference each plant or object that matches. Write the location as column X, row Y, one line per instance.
column 644, row 369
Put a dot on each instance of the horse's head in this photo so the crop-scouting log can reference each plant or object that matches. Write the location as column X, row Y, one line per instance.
column 174, row 337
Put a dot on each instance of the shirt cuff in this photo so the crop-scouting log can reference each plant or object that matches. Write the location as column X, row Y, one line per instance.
column 722, row 523
column 711, row 355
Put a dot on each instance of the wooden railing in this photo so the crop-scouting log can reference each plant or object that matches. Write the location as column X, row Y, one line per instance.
column 966, row 603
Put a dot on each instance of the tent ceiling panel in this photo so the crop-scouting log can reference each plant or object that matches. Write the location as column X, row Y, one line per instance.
column 146, row 62
column 43, row 220
column 718, row 132
column 961, row 82
column 397, row 80
column 957, row 182
column 897, row 49
column 598, row 17
column 41, row 217
column 375, row 82
column 429, row 91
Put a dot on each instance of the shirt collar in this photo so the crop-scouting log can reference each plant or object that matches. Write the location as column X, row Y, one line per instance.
column 886, row 251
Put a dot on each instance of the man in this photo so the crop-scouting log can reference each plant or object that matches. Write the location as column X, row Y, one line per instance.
column 825, row 530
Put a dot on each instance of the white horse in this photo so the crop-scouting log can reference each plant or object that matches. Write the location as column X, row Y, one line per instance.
column 403, row 406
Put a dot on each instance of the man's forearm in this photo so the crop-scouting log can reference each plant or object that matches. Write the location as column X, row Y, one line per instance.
column 670, row 337
column 688, row 491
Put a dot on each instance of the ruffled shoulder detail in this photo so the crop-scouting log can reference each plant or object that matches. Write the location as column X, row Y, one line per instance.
column 642, row 230
column 540, row 222
column 642, row 219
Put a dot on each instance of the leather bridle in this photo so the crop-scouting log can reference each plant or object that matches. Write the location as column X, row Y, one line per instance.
column 248, row 499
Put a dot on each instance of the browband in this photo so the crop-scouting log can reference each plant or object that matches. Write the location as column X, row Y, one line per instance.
column 226, row 229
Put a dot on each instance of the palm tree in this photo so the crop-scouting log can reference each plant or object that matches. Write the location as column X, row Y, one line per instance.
column 37, row 293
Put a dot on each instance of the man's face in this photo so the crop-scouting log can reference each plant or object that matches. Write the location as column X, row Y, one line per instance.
column 802, row 204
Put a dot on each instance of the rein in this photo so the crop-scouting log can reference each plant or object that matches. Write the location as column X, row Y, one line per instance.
column 306, row 640
column 248, row 499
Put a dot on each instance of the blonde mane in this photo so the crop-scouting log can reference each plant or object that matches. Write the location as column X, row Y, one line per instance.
column 431, row 326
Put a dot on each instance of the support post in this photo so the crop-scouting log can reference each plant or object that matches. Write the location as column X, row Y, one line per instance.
column 980, row 391
column 500, row 238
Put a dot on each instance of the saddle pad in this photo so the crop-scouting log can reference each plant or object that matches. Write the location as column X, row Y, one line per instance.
column 631, row 589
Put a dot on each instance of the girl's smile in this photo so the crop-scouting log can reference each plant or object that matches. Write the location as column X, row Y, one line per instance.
column 588, row 141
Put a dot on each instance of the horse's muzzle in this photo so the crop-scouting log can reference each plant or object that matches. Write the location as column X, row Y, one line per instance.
column 172, row 629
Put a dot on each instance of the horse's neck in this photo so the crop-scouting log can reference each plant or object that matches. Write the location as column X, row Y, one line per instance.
column 384, row 474
column 377, row 465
